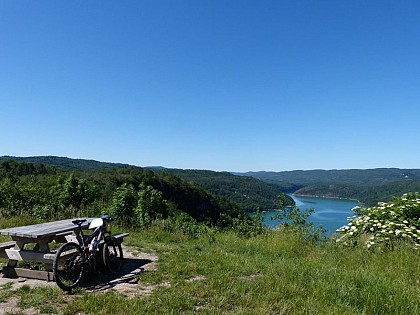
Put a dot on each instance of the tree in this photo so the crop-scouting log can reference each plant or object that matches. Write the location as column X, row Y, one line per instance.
column 124, row 200
column 71, row 194
column 282, row 200
column 150, row 206
column 7, row 196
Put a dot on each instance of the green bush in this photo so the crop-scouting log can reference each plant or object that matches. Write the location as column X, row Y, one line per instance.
column 185, row 224
column 43, row 212
column 150, row 206
column 123, row 202
column 293, row 218
column 245, row 226
column 386, row 224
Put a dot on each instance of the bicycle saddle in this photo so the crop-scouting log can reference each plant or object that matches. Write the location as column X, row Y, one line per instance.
column 78, row 221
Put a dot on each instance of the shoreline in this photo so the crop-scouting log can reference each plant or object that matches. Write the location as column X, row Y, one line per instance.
column 322, row 196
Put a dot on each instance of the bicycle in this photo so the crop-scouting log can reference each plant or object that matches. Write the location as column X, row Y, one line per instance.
column 72, row 260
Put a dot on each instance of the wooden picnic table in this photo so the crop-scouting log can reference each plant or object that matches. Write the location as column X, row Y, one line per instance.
column 40, row 235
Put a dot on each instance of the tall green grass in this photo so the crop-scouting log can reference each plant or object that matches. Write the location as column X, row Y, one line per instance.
column 278, row 272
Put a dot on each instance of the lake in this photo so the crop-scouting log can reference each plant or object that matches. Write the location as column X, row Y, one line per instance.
column 329, row 212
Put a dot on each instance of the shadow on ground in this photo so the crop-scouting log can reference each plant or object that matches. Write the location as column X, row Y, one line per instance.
column 126, row 281
column 102, row 280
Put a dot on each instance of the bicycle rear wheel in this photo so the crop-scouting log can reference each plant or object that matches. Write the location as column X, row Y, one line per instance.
column 112, row 255
column 69, row 266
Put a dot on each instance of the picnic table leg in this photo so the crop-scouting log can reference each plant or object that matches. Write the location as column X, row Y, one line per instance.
column 41, row 246
column 46, row 249
column 11, row 263
column 19, row 245
column 10, row 271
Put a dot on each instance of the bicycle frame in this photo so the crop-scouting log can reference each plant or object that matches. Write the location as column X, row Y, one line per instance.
column 74, row 258
column 90, row 243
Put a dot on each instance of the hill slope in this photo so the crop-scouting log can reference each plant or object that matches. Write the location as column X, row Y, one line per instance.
column 47, row 191
column 368, row 186
column 79, row 164
column 368, row 177
column 250, row 193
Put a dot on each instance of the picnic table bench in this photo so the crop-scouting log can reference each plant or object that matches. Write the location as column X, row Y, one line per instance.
column 41, row 235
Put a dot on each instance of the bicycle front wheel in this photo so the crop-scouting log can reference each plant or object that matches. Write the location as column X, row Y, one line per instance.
column 112, row 255
column 69, row 266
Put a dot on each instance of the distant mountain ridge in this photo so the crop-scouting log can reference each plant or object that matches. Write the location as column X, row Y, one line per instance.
column 368, row 185
column 79, row 164
column 364, row 177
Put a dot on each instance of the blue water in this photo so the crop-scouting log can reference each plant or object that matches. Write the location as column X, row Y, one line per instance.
column 330, row 213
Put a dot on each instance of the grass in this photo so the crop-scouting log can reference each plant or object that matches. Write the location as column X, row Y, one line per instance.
column 47, row 300
column 276, row 273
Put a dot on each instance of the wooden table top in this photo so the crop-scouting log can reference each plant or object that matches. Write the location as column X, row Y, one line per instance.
column 45, row 229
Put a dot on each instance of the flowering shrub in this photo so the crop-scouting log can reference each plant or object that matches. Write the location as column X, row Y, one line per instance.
column 385, row 224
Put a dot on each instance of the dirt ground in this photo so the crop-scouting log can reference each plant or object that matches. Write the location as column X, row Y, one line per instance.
column 127, row 282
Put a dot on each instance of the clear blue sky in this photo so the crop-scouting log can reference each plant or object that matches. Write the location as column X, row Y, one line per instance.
column 221, row 85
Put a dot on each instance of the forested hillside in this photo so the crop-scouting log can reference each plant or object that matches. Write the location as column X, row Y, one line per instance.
column 368, row 177
column 246, row 192
column 368, row 186
column 254, row 190
column 369, row 195
column 52, row 192
column 249, row 193
column 79, row 164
